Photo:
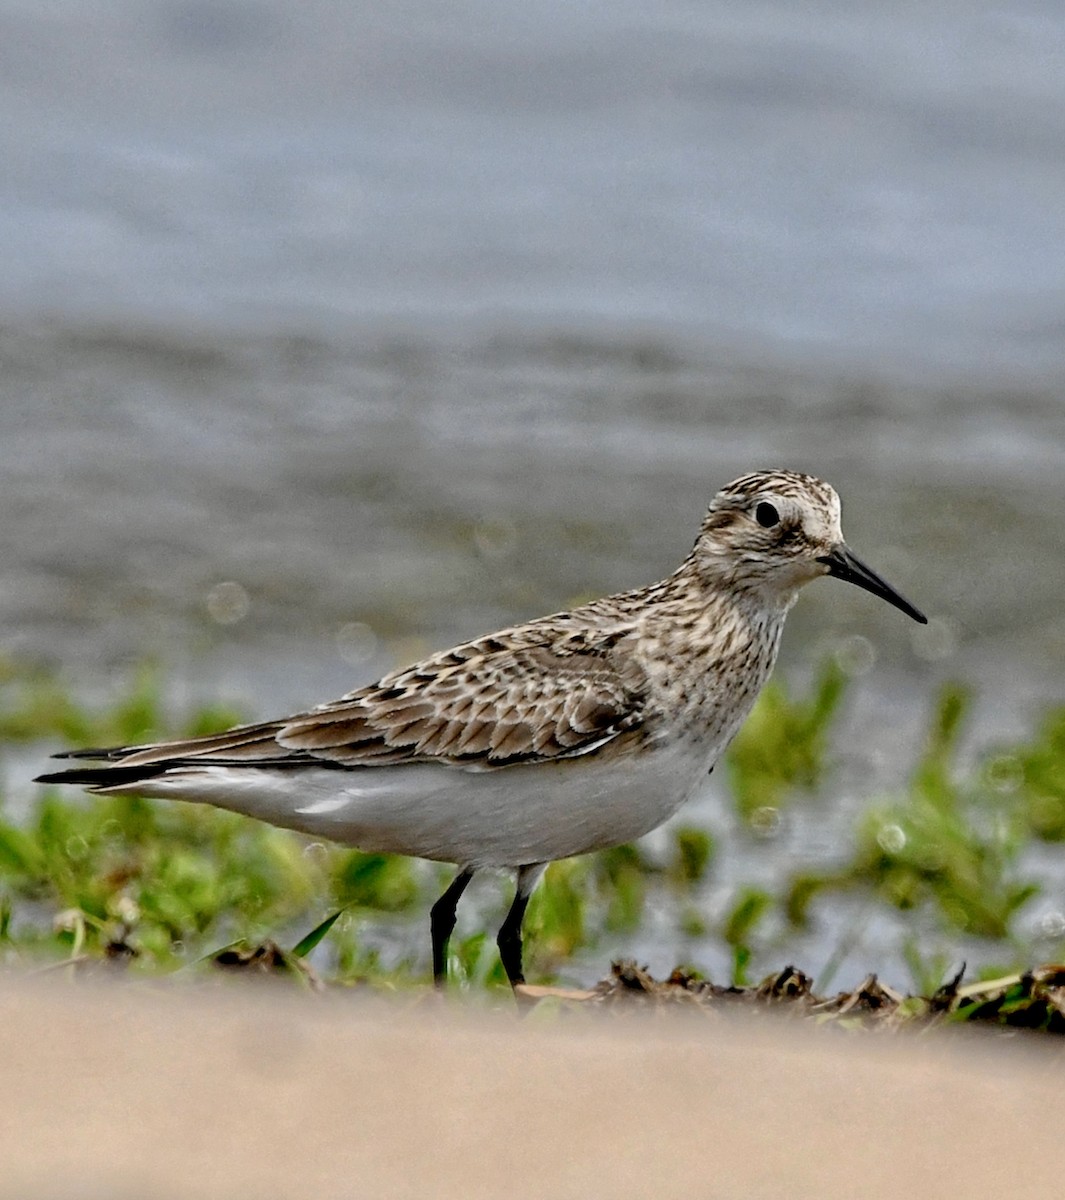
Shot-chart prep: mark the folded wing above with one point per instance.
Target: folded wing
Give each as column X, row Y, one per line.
column 482, row 705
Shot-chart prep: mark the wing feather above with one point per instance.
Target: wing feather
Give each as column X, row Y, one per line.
column 507, row 705
column 485, row 704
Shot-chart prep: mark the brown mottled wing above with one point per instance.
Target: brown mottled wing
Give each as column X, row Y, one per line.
column 482, row 708
column 489, row 703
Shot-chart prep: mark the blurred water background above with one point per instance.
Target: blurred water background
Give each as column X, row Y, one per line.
column 333, row 333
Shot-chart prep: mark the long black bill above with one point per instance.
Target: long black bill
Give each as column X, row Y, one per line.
column 844, row 565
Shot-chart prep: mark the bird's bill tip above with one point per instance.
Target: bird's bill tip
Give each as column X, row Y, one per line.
column 842, row 563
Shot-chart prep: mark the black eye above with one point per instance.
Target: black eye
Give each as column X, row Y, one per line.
column 766, row 515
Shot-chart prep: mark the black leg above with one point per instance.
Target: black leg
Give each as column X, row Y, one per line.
column 509, row 939
column 442, row 922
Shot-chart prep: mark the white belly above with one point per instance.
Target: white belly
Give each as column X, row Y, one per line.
column 505, row 818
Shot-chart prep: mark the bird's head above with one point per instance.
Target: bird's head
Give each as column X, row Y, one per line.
column 770, row 532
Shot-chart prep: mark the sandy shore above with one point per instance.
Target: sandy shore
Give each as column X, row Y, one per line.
column 254, row 1091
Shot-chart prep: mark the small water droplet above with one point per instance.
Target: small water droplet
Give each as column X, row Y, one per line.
column 228, row 602
column 766, row 821
column 855, row 655
column 76, row 847
column 356, row 642
column 891, row 838
column 1052, row 924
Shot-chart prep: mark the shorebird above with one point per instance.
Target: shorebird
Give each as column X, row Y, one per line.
column 571, row 733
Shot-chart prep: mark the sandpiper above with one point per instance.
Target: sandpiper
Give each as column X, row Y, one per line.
column 567, row 734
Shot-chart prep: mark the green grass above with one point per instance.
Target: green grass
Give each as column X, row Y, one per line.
column 163, row 888
column 953, row 842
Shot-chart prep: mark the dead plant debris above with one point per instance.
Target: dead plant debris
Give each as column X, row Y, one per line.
column 1033, row 999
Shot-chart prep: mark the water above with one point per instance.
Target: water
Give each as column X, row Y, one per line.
column 405, row 324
